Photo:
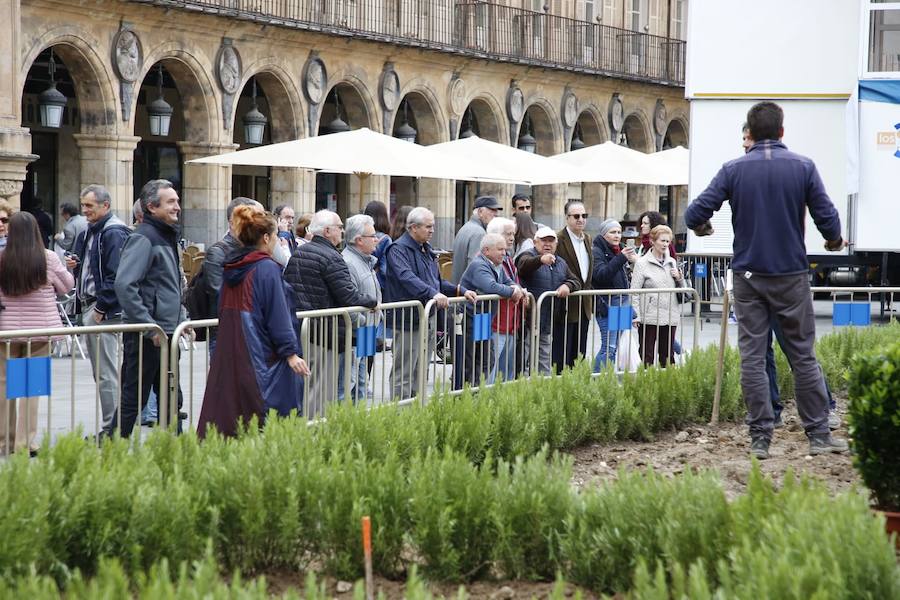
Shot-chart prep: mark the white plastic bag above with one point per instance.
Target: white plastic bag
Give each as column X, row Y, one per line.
column 627, row 356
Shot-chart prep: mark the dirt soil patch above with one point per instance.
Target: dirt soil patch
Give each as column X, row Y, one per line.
column 725, row 448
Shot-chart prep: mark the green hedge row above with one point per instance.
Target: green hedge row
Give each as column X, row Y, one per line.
column 798, row 542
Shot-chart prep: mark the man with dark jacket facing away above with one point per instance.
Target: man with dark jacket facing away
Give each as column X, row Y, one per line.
column 412, row 274
column 770, row 190
column 149, row 284
column 94, row 262
column 321, row 279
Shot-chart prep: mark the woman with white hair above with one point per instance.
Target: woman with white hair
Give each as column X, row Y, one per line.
column 611, row 264
column 507, row 323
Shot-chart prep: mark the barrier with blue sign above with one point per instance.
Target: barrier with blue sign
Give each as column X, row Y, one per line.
column 365, row 341
column 481, row 327
column 700, row 270
column 851, row 314
column 620, row 317
column 27, row 377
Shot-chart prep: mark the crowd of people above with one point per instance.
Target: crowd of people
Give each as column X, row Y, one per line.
column 267, row 268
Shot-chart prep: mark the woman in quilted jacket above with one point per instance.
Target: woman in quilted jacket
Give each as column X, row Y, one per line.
column 30, row 278
column 657, row 314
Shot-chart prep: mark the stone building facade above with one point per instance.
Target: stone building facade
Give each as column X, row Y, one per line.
column 567, row 71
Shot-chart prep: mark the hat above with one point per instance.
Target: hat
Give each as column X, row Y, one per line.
column 607, row 225
column 544, row 232
column 487, row 202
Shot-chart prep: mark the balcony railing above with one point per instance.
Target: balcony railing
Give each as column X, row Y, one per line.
column 471, row 28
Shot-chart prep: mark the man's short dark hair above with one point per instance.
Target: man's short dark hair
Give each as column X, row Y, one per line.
column 239, row 201
column 150, row 193
column 766, row 119
column 517, row 197
column 570, row 203
column 279, row 208
column 67, row 208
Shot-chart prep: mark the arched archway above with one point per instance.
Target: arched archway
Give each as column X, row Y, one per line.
column 589, row 130
column 417, row 112
column 347, row 106
column 483, row 118
column 541, row 123
column 67, row 152
column 274, row 97
column 673, row 199
column 637, row 136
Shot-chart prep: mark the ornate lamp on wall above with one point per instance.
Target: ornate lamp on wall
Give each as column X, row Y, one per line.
column 577, row 142
column 406, row 132
column 254, row 122
column 468, row 131
column 160, row 111
column 526, row 140
column 338, row 125
column 52, row 101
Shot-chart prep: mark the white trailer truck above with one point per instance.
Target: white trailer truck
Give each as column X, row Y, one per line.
column 834, row 67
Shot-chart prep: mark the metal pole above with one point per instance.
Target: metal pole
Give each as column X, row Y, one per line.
column 720, row 363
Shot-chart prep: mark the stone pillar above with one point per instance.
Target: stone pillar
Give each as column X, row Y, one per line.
column 294, row 187
column 109, row 161
column 205, row 192
column 15, row 140
column 548, row 203
column 437, row 195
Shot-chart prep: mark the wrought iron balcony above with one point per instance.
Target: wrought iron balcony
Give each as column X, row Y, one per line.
column 471, row 28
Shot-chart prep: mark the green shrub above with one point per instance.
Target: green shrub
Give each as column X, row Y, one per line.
column 874, row 419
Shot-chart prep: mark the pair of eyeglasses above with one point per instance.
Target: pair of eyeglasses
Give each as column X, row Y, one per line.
column 4, row 220
column 373, row 236
column 579, row 217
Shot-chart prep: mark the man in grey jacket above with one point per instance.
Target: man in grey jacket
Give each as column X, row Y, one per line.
column 360, row 259
column 75, row 224
column 467, row 244
column 149, row 284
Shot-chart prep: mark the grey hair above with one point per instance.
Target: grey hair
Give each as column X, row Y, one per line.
column 499, row 224
column 321, row 220
column 417, row 216
column 355, row 226
column 150, row 193
column 136, row 211
column 101, row 195
column 492, row 240
column 239, row 201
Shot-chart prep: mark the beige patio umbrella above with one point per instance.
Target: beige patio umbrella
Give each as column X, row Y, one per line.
column 362, row 152
column 671, row 165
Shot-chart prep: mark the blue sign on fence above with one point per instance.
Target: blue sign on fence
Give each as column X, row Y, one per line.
column 27, row 377
column 620, row 317
column 365, row 341
column 851, row 314
column 699, row 270
column 481, row 327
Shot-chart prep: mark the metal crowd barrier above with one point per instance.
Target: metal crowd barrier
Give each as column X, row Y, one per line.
column 706, row 273
column 852, row 313
column 563, row 341
column 477, row 343
column 33, row 379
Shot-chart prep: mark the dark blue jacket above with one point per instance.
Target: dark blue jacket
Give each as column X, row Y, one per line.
column 485, row 278
column 539, row 278
column 610, row 273
column 104, row 261
column 770, row 189
column 412, row 274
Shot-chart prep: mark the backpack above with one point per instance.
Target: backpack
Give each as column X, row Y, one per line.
column 200, row 301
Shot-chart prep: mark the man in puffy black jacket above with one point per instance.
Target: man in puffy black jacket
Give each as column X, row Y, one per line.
column 320, row 279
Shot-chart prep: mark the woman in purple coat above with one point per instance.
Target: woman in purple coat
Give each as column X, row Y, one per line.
column 256, row 367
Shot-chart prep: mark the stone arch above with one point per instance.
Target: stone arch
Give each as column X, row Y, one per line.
column 489, row 118
column 545, row 127
column 677, row 133
column 285, row 112
column 593, row 128
column 200, row 97
column 426, row 110
column 357, row 104
column 638, row 133
column 96, row 95
column 638, row 137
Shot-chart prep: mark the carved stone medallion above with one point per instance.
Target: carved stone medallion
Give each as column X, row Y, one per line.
column 390, row 87
column 127, row 55
column 616, row 113
column 228, row 68
column 569, row 109
column 315, row 79
column 457, row 95
column 660, row 118
column 515, row 103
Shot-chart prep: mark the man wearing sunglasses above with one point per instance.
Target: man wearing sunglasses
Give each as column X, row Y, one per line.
column 575, row 248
